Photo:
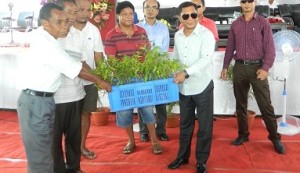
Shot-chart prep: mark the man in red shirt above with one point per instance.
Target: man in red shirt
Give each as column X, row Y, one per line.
column 125, row 40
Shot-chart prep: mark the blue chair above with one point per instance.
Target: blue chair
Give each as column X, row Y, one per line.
column 25, row 20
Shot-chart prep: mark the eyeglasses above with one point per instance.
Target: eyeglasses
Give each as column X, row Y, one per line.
column 186, row 16
column 148, row 8
column 244, row 1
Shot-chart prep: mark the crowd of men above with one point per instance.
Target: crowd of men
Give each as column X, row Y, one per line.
column 59, row 91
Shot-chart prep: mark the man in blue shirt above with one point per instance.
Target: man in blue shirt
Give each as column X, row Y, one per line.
column 158, row 35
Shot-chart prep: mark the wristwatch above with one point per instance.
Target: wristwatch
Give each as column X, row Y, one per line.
column 186, row 74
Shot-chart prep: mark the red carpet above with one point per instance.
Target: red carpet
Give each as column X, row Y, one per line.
column 257, row 155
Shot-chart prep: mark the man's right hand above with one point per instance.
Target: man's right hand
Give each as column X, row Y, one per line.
column 224, row 74
column 104, row 85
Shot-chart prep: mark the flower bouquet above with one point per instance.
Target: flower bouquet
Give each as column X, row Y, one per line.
column 100, row 12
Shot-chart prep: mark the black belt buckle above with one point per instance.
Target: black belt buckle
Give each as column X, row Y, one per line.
column 250, row 62
column 247, row 62
column 38, row 93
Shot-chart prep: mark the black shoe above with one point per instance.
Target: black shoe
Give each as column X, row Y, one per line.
column 176, row 163
column 240, row 141
column 279, row 148
column 201, row 168
column 144, row 137
column 163, row 137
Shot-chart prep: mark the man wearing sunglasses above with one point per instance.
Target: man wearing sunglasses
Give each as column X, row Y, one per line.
column 206, row 22
column 251, row 45
column 194, row 47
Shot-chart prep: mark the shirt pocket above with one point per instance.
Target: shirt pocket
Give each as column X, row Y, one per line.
column 89, row 43
column 256, row 35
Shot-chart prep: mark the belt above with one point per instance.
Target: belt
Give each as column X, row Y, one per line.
column 249, row 62
column 38, row 93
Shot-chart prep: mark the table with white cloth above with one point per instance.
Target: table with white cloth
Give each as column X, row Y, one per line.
column 11, row 50
column 224, row 101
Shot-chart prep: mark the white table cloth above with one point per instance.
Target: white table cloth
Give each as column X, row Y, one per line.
column 224, row 101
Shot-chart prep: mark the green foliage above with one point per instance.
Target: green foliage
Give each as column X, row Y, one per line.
column 230, row 73
column 156, row 65
column 170, row 106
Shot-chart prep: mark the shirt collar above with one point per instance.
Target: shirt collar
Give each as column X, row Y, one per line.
column 196, row 31
column 72, row 30
column 204, row 20
column 144, row 22
column 45, row 33
column 254, row 16
column 118, row 29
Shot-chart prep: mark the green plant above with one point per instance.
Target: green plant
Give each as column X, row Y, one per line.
column 152, row 66
column 170, row 107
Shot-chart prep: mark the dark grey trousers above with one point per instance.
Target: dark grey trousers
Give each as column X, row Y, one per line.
column 67, row 126
column 36, row 118
column 204, row 105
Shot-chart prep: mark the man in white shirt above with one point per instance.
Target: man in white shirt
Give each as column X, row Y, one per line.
column 69, row 101
column 92, row 52
column 41, row 77
column 271, row 3
column 194, row 47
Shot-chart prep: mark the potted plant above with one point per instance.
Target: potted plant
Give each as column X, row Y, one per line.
column 172, row 118
column 250, row 113
column 101, row 115
column 154, row 65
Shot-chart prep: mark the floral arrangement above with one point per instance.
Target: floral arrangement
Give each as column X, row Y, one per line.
column 166, row 23
column 100, row 12
column 43, row 2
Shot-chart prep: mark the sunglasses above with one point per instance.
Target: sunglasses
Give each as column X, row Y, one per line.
column 244, row 1
column 186, row 16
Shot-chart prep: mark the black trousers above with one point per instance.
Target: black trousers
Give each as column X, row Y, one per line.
column 67, row 126
column 161, row 118
column 244, row 75
column 203, row 103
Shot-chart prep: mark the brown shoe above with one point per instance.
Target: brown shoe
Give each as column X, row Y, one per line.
column 129, row 148
column 88, row 154
column 156, row 148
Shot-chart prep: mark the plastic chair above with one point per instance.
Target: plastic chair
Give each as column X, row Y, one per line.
column 3, row 15
column 25, row 20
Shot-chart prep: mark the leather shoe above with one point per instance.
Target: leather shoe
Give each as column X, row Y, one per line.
column 176, row 163
column 144, row 137
column 163, row 137
column 239, row 141
column 279, row 148
column 201, row 168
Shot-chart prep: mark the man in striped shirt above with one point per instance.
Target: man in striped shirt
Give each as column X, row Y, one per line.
column 126, row 39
